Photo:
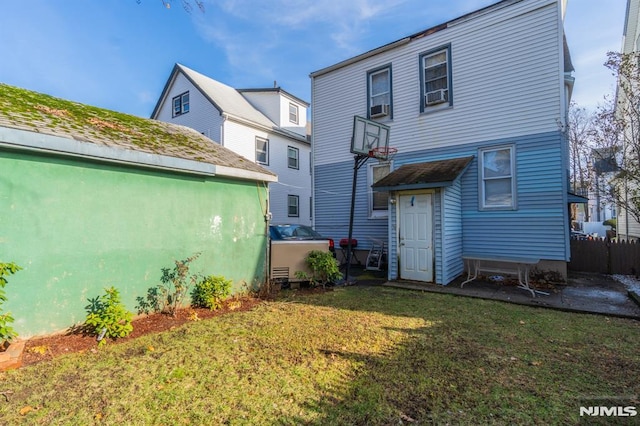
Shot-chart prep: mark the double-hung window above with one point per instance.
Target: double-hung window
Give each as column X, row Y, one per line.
column 497, row 178
column 379, row 200
column 292, row 158
column 293, row 205
column 262, row 151
column 293, row 113
column 379, row 88
column 435, row 79
column 181, row 104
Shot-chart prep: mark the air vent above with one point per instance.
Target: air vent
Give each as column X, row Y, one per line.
column 281, row 272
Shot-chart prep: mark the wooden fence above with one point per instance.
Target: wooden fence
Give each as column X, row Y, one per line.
column 605, row 256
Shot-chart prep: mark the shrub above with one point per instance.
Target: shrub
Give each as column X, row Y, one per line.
column 324, row 268
column 175, row 284
column 210, row 292
column 7, row 333
column 151, row 303
column 613, row 223
column 169, row 295
column 108, row 317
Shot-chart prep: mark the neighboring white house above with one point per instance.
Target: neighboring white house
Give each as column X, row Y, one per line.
column 475, row 108
column 601, row 206
column 267, row 126
column 628, row 227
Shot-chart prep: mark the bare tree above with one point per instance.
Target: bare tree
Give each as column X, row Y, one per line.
column 579, row 130
column 618, row 130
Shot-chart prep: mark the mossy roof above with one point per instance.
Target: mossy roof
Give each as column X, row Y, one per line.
column 36, row 112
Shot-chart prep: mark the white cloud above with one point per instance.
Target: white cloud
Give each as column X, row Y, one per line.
column 239, row 26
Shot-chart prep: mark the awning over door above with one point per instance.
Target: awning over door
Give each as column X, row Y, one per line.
column 432, row 174
column 574, row 198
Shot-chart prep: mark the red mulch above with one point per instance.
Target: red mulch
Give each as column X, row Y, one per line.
column 46, row 348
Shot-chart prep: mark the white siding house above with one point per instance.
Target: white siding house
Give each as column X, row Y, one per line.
column 476, row 105
column 628, row 228
column 266, row 126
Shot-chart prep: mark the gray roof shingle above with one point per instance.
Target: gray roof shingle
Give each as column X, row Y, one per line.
column 429, row 174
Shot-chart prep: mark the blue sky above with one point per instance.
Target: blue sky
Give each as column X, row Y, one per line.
column 118, row 54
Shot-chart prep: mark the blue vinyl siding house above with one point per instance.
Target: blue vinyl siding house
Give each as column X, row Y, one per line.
column 476, row 108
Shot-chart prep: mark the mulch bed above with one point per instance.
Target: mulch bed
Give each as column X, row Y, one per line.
column 40, row 349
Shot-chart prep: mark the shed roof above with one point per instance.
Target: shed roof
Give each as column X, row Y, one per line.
column 432, row 174
column 36, row 112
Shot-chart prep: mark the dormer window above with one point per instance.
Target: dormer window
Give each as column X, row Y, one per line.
column 293, row 113
column 181, row 104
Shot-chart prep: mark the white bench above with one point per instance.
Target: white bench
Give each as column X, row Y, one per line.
column 519, row 266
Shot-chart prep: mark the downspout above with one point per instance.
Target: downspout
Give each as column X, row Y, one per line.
column 267, row 220
column 312, row 159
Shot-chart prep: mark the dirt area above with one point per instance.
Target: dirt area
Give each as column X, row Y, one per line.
column 46, row 348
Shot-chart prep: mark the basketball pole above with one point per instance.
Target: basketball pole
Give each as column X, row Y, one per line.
column 359, row 160
column 367, row 138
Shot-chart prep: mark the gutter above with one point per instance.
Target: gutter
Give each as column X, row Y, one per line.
column 287, row 134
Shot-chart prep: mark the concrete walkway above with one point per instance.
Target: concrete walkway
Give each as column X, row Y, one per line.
column 586, row 293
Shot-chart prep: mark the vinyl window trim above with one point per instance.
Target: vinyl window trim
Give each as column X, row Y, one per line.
column 295, row 158
column 380, row 213
column 294, row 112
column 180, row 104
column 483, row 180
column 370, row 95
column 260, row 151
column 423, row 82
column 293, row 206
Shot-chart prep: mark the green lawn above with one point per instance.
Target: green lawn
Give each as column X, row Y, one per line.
column 356, row 355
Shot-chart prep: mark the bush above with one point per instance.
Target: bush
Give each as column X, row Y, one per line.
column 6, row 331
column 108, row 317
column 151, row 303
column 169, row 295
column 324, row 268
column 210, row 292
column 175, row 284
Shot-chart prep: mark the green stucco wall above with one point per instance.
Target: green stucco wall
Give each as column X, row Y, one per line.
column 77, row 227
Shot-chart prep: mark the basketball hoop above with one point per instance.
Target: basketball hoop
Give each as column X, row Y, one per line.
column 383, row 153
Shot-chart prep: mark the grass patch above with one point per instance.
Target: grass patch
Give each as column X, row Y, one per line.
column 355, row 355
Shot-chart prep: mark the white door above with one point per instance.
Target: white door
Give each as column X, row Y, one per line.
column 416, row 237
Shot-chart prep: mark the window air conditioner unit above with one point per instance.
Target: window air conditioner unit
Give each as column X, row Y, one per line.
column 437, row 97
column 379, row 111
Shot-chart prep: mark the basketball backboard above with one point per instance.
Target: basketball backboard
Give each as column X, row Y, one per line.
column 368, row 135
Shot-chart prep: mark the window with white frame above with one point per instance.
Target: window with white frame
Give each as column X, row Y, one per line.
column 181, row 104
column 293, row 113
column 379, row 85
column 262, row 151
column 435, row 79
column 293, row 205
column 292, row 158
column 378, row 200
column 497, row 178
